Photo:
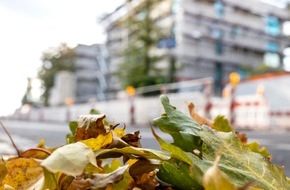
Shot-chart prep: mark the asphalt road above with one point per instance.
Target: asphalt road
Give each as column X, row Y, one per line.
column 29, row 134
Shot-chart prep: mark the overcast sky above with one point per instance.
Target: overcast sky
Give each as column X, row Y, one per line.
column 29, row 27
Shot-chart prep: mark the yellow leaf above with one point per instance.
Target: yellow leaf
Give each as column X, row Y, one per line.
column 115, row 164
column 119, row 132
column 100, row 142
column 3, row 170
column 22, row 173
column 215, row 179
column 131, row 161
column 70, row 159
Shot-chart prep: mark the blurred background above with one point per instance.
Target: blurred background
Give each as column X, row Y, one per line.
column 62, row 58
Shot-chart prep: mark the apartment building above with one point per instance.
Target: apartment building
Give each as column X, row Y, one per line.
column 208, row 37
column 89, row 80
column 91, row 72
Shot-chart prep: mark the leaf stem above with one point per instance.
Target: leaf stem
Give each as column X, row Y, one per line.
column 12, row 142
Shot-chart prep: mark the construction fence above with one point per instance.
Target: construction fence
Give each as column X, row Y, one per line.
column 251, row 112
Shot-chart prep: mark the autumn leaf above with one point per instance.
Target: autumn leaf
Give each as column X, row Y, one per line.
column 132, row 139
column 255, row 147
column 90, row 126
column 70, row 159
column 101, row 141
column 133, row 152
column 222, row 124
column 3, row 170
column 199, row 119
column 102, row 180
column 37, row 153
column 70, row 137
column 126, row 181
column 144, row 172
column 119, row 132
column 50, row 180
column 23, row 173
column 147, row 181
column 215, row 179
column 142, row 166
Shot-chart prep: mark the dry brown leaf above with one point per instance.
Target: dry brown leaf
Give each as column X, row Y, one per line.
column 201, row 120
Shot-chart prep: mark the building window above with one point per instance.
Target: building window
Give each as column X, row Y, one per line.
column 272, row 46
column 234, row 31
column 219, row 47
column 219, row 9
column 272, row 25
column 218, row 35
column 168, row 42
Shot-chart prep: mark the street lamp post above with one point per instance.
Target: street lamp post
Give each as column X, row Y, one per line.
column 68, row 102
column 130, row 90
column 208, row 104
column 234, row 81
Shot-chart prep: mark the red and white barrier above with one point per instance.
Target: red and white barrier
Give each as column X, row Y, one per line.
column 280, row 118
column 247, row 112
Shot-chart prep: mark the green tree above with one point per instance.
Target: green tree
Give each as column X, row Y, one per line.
column 27, row 96
column 54, row 60
column 140, row 63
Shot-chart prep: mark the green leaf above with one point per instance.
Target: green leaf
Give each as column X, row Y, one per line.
column 73, row 125
column 115, row 163
column 255, row 147
column 175, row 151
column 239, row 163
column 183, row 129
column 94, row 111
column 179, row 175
column 180, row 155
column 142, row 166
column 50, row 181
column 70, row 137
column 222, row 124
column 70, row 159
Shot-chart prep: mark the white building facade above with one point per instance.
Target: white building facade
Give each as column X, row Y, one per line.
column 91, row 72
column 208, row 37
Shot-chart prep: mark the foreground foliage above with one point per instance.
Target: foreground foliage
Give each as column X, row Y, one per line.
column 100, row 155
